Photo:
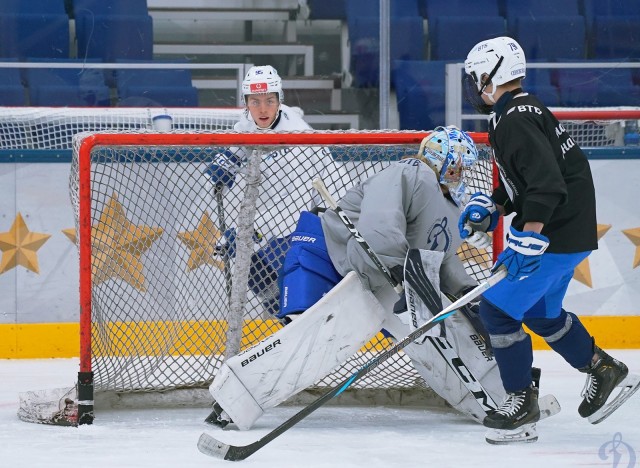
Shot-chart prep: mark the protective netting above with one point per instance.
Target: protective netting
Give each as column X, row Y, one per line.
column 162, row 268
column 600, row 127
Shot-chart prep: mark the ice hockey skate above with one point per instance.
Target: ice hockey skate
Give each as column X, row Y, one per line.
column 527, row 433
column 218, row 417
column 603, row 377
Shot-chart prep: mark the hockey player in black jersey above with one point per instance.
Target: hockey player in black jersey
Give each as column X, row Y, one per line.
column 546, row 181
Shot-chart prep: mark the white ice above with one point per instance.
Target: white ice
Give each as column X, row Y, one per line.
column 334, row 437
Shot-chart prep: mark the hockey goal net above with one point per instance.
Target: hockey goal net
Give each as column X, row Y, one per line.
column 161, row 306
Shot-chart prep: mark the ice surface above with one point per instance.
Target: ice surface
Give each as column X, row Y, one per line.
column 334, row 437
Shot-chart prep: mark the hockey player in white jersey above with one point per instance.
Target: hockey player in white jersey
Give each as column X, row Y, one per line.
column 286, row 175
column 337, row 299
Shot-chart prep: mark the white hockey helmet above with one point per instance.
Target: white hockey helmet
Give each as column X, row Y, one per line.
column 501, row 59
column 451, row 153
column 261, row 80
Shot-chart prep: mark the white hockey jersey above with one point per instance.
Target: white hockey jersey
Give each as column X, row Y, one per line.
column 285, row 187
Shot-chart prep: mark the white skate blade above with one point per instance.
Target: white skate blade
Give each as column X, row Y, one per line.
column 527, row 433
column 627, row 388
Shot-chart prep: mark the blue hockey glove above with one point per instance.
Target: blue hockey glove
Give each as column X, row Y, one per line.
column 480, row 215
column 523, row 254
column 223, row 169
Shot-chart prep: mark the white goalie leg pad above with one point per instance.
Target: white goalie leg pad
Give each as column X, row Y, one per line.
column 300, row 354
column 457, row 367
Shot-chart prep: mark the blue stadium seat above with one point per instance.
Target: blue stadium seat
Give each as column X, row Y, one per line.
column 616, row 37
column 407, row 43
column 158, row 96
column 616, row 88
column 432, row 9
column 578, row 87
column 420, row 91
column 365, row 8
column 11, row 92
column 536, row 8
column 538, row 83
column 452, row 37
column 47, row 7
column 67, row 87
column 593, row 8
column 34, row 35
column 110, row 7
column 153, row 77
column 547, row 38
column 114, row 37
column 327, row 9
column 166, row 87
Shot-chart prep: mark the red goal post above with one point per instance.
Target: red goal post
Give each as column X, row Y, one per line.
column 159, row 306
column 600, row 126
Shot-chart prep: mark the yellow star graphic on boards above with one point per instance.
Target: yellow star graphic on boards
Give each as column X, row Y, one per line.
column 19, row 246
column 202, row 242
column 117, row 245
column 480, row 257
column 582, row 272
column 634, row 236
column 71, row 234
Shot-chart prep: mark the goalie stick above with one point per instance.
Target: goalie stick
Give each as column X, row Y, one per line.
column 209, row 445
column 223, row 229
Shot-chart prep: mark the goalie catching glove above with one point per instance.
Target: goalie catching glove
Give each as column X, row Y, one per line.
column 523, row 254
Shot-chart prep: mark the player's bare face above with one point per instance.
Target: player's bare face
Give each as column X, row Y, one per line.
column 263, row 108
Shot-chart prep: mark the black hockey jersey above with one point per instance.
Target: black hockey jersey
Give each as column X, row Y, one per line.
column 544, row 175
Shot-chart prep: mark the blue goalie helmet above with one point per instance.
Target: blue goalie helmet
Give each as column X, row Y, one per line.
column 451, row 153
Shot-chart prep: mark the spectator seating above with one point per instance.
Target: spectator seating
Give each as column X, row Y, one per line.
column 12, row 92
column 113, row 30
column 546, row 38
column 432, row 9
column 407, row 43
column 537, row 8
column 451, row 37
column 578, row 87
column 420, row 92
column 84, row 87
column 155, row 87
column 27, row 33
column 538, row 82
column 615, row 37
column 327, row 9
column 594, row 8
column 367, row 8
column 616, row 88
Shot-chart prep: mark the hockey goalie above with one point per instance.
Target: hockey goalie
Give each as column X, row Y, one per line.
column 335, row 299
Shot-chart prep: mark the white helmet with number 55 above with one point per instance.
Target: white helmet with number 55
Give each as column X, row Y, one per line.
column 261, row 80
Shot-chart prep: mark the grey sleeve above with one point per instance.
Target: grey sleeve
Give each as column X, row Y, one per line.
column 379, row 208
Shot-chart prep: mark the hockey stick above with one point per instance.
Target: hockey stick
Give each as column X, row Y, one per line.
column 322, row 189
column 223, row 228
column 215, row 448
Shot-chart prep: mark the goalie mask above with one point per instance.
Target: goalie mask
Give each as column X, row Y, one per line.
column 451, row 153
column 501, row 60
column 262, row 80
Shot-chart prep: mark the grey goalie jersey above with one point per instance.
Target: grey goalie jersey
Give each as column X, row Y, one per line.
column 397, row 209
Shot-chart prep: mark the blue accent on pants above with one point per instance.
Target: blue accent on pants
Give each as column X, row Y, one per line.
column 536, row 302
